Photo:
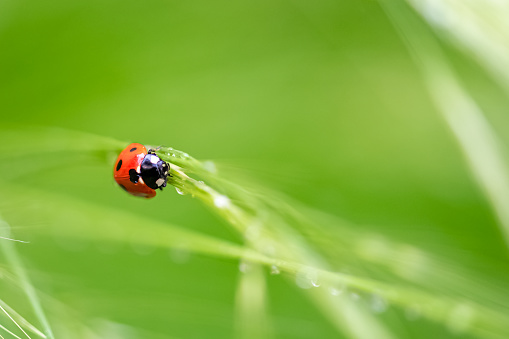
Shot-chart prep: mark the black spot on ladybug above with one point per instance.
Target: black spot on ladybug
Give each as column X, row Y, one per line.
column 133, row 149
column 133, row 176
column 123, row 187
column 119, row 164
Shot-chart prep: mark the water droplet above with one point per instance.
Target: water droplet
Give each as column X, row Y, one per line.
column 185, row 155
column 274, row 270
column 179, row 191
column 221, row 201
column 306, row 279
column 378, row 304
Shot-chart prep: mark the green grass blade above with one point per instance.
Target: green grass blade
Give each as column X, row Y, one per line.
column 18, row 268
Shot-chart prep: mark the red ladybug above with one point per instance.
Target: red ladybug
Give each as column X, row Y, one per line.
column 140, row 172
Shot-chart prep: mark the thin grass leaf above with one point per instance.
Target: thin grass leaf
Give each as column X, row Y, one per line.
column 6, row 330
column 436, row 308
column 22, row 321
column 14, row 321
column 283, row 235
column 18, row 268
column 289, row 244
column 477, row 139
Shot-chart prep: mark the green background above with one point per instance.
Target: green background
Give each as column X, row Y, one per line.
column 317, row 99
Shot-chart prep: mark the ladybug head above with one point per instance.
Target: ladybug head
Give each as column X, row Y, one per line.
column 154, row 171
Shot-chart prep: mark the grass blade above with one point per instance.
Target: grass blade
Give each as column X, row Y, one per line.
column 17, row 266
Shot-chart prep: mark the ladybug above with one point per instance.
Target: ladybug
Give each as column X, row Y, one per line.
column 140, row 172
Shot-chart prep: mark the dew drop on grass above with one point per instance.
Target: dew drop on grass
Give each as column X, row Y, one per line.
column 179, row 191
column 307, row 279
column 221, row 201
column 274, row 270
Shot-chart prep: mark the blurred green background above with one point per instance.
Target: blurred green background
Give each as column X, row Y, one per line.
column 320, row 100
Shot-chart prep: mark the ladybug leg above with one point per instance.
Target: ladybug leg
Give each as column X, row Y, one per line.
column 167, row 171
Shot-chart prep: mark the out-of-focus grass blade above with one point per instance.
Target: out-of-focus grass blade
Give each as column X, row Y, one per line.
column 477, row 139
column 479, row 27
column 252, row 319
column 18, row 268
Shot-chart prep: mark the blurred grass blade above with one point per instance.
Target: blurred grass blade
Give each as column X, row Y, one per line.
column 14, row 321
column 286, row 241
column 21, row 320
column 478, row 27
column 277, row 233
column 18, row 268
column 251, row 298
column 104, row 227
column 6, row 330
column 277, row 225
column 477, row 139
